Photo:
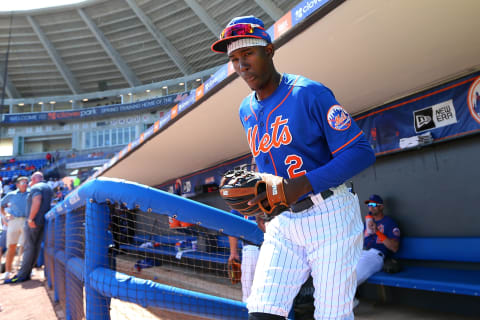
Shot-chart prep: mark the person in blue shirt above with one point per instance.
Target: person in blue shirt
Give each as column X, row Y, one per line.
column 14, row 210
column 38, row 203
column 381, row 239
column 297, row 130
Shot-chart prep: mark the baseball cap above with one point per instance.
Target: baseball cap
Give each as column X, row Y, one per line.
column 246, row 31
column 374, row 198
column 21, row 178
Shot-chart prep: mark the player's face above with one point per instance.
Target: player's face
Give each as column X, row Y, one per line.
column 254, row 65
column 22, row 185
column 374, row 211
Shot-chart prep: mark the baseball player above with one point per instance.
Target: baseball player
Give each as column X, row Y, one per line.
column 298, row 131
column 381, row 239
column 248, row 260
column 303, row 303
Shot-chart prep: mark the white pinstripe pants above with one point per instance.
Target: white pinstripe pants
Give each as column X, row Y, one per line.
column 249, row 262
column 325, row 240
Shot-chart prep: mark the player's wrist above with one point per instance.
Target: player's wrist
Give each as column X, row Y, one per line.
column 296, row 187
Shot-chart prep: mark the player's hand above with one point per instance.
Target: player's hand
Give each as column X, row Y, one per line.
column 371, row 226
column 292, row 189
column 261, row 198
column 233, row 256
column 260, row 223
column 32, row 224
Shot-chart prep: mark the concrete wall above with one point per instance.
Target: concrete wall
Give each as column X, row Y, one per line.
column 433, row 191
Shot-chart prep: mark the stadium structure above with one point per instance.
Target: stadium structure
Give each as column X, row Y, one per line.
column 92, row 76
column 130, row 89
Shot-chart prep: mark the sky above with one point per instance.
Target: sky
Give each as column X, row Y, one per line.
column 17, row 5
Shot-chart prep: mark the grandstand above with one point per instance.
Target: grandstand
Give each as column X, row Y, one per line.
column 130, row 90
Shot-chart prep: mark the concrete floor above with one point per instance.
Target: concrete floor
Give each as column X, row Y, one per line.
column 369, row 310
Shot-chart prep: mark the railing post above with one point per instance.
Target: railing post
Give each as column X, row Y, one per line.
column 73, row 249
column 47, row 244
column 57, row 234
column 96, row 255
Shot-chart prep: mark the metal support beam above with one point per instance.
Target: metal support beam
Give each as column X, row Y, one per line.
column 167, row 46
column 10, row 89
column 55, row 56
column 116, row 92
column 205, row 17
column 270, row 8
column 127, row 73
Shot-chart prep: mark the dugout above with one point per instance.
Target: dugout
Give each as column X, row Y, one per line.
column 374, row 55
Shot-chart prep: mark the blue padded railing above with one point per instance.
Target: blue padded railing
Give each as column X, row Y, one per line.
column 101, row 284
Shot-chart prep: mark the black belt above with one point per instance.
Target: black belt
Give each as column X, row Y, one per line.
column 307, row 202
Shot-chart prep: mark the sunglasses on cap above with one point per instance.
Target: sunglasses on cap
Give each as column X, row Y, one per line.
column 373, row 204
column 240, row 29
column 23, row 182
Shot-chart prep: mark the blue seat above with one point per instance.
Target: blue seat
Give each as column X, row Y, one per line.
column 166, row 246
column 465, row 251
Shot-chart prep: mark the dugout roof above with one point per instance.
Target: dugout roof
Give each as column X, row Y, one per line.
column 369, row 52
column 70, row 49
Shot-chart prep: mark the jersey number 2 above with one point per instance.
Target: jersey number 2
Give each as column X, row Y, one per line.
column 294, row 163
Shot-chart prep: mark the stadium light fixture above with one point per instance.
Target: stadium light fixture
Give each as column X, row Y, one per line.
column 129, row 93
column 198, row 80
column 164, row 87
column 40, row 102
column 52, row 102
column 148, row 90
column 21, row 104
column 181, row 83
column 84, row 99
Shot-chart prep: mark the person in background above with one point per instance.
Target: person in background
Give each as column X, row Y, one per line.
column 38, row 203
column 16, row 202
column 3, row 238
column 8, row 186
column 381, row 239
column 48, row 157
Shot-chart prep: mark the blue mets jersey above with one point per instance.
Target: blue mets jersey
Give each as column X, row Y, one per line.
column 300, row 129
column 388, row 227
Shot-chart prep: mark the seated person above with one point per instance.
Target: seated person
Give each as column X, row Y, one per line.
column 381, row 239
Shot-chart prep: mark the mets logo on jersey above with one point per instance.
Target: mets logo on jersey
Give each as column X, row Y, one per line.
column 396, row 232
column 338, row 118
column 473, row 99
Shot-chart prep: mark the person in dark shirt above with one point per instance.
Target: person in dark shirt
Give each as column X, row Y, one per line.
column 380, row 240
column 38, row 203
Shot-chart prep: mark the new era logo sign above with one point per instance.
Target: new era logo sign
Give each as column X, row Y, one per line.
column 436, row 116
column 423, row 120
